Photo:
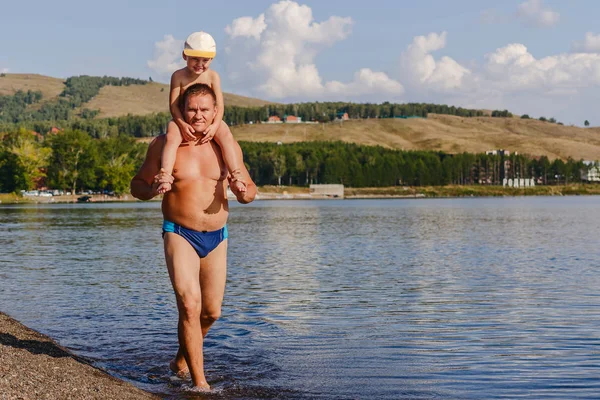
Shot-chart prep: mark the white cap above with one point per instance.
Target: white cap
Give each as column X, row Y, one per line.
column 200, row 44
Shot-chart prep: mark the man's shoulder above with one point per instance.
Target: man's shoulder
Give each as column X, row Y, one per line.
column 157, row 143
column 158, row 139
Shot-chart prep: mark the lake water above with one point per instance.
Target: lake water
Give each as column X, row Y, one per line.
column 399, row 299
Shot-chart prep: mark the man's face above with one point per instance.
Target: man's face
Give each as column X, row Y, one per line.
column 200, row 111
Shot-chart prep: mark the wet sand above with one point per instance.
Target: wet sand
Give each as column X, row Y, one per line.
column 33, row 366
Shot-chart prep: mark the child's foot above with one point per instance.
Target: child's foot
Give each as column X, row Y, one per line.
column 163, row 188
column 239, row 185
column 183, row 373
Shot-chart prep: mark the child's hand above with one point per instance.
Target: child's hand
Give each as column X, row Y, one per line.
column 209, row 133
column 162, row 181
column 238, row 186
column 187, row 132
column 164, row 188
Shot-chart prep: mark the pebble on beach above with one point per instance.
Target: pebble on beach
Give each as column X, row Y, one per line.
column 33, row 366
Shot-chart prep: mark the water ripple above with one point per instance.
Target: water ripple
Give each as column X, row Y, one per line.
column 418, row 299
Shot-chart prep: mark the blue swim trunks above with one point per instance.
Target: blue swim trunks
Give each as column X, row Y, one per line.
column 202, row 241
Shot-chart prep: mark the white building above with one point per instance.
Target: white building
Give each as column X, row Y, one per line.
column 332, row 190
column 591, row 172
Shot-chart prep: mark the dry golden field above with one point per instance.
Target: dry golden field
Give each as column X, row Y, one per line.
column 444, row 133
column 50, row 87
column 112, row 101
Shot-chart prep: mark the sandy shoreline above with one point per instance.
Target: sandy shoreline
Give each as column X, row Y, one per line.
column 33, row 366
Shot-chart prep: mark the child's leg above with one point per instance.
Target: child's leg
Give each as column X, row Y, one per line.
column 234, row 160
column 169, row 153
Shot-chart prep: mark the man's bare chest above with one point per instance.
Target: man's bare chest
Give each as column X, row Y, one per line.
column 199, row 162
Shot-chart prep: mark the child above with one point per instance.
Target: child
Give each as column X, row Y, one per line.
column 198, row 52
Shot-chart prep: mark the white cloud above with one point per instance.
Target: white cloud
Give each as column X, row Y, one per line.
column 167, row 56
column 513, row 68
column 423, row 70
column 533, row 12
column 508, row 78
column 274, row 55
column 4, row 71
column 591, row 44
column 247, row 27
column 366, row 82
column 509, row 69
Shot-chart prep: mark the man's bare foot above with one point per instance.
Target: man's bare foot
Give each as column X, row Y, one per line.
column 202, row 388
column 163, row 187
column 183, row 373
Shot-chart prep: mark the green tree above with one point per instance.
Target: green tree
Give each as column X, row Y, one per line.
column 277, row 158
column 586, row 123
column 31, row 157
column 119, row 158
column 73, row 160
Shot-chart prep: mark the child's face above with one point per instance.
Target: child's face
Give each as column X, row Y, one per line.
column 197, row 65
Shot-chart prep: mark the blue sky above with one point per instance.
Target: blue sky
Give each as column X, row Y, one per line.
column 539, row 57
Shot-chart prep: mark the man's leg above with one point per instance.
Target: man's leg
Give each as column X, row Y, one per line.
column 183, row 264
column 213, row 275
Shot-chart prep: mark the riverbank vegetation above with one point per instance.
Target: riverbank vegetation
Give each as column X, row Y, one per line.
column 71, row 160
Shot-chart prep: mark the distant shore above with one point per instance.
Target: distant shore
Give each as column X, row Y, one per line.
column 394, row 192
column 33, row 366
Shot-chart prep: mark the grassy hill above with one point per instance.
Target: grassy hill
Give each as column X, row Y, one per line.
column 444, row 133
column 437, row 132
column 112, row 101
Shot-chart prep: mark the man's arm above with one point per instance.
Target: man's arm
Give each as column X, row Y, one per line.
column 145, row 183
column 250, row 193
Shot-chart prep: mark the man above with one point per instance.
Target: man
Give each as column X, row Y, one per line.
column 194, row 230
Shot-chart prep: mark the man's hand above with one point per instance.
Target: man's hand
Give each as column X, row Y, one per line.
column 187, row 131
column 162, row 182
column 209, row 133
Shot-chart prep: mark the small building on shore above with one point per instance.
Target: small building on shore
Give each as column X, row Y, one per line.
column 591, row 171
column 274, row 119
column 292, row 119
column 327, row 190
column 342, row 116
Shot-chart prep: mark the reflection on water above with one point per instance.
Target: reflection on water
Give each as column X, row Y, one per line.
column 469, row 298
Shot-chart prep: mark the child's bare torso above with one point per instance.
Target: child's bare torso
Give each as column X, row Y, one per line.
column 184, row 80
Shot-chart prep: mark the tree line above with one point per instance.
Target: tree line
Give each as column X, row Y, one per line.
column 72, row 160
column 355, row 165
column 156, row 123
